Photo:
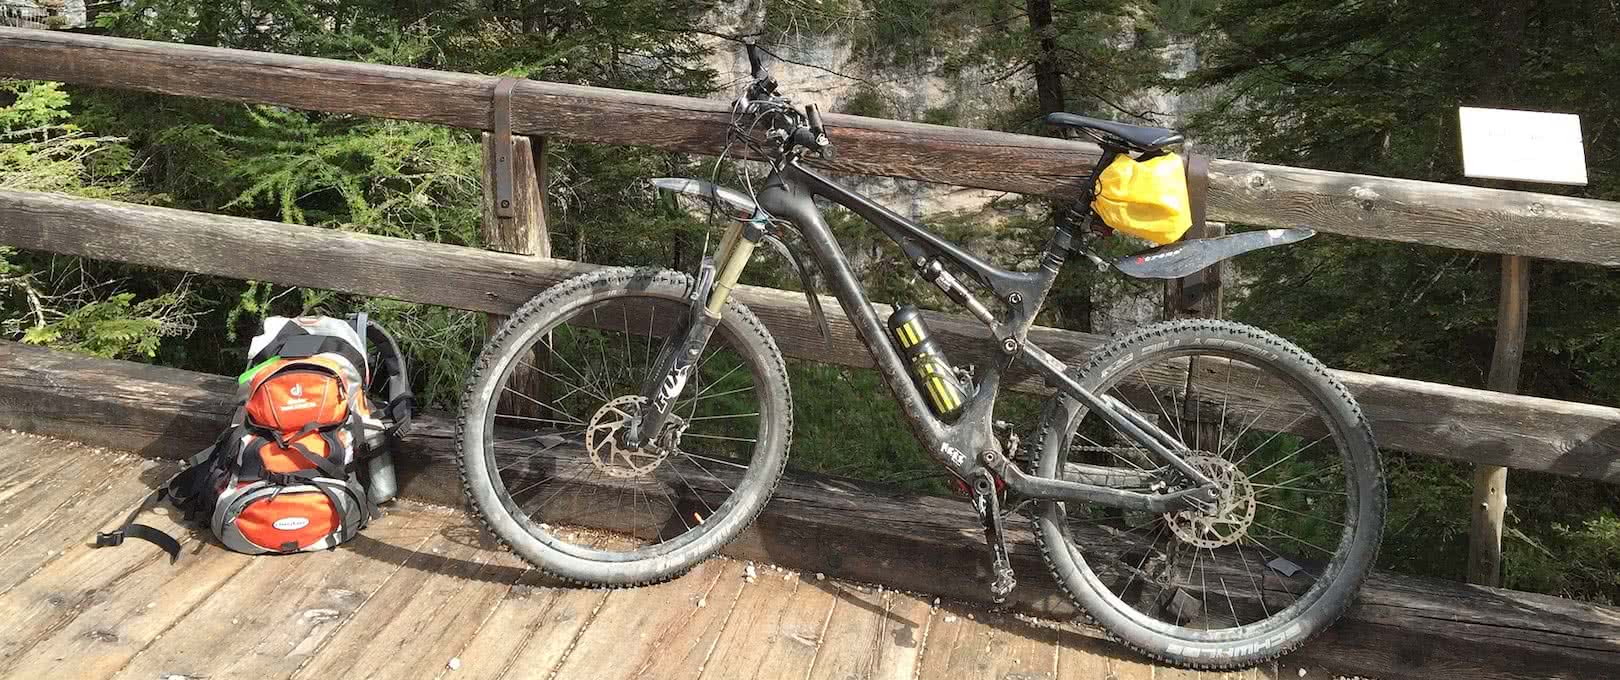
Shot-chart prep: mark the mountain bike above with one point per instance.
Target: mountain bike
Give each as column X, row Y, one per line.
column 1206, row 491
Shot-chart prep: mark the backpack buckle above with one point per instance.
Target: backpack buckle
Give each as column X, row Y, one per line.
column 107, row 539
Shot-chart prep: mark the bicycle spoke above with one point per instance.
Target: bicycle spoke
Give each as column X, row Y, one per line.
column 1279, row 492
column 589, row 477
column 1301, row 514
column 1291, row 537
column 1290, row 456
column 731, row 415
column 715, row 436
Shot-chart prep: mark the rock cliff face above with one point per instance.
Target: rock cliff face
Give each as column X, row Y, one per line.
column 823, row 67
column 42, row 13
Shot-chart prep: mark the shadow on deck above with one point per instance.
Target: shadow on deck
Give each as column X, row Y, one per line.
column 424, row 593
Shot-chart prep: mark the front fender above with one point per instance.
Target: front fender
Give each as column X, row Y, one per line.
column 746, row 207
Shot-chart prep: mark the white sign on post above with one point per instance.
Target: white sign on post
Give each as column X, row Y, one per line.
column 1522, row 145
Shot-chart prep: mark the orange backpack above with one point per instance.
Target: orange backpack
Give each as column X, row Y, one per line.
column 285, row 476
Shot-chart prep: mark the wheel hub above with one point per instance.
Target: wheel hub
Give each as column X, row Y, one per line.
column 604, row 439
column 1234, row 507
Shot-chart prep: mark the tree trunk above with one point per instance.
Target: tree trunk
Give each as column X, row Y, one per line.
column 1049, row 93
column 1048, row 77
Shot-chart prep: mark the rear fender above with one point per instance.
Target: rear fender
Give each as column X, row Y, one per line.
column 1185, row 258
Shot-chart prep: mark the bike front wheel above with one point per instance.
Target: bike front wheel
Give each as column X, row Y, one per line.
column 1301, row 499
column 544, row 458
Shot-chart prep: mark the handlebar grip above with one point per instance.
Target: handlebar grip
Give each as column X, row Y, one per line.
column 813, row 112
column 754, row 67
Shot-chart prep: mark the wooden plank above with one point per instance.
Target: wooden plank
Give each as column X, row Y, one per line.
column 634, row 628
column 531, row 629
column 320, row 604
column 689, row 650
column 53, row 597
column 871, row 635
column 227, row 622
column 72, row 524
column 264, row 622
column 1477, row 426
column 1490, row 481
column 772, row 636
column 1455, row 216
column 33, row 500
column 431, row 607
column 989, row 646
column 525, row 232
column 1085, row 657
column 864, row 532
column 871, row 146
column 1411, row 211
column 87, row 615
column 522, row 233
column 22, row 462
column 68, row 510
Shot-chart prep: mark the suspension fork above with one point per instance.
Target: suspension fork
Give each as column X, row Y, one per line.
column 680, row 356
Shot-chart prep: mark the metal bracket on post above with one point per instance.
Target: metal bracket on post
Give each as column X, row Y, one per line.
column 501, row 111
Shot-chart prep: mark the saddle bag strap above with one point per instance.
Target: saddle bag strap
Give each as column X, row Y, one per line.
column 1197, row 189
column 326, row 465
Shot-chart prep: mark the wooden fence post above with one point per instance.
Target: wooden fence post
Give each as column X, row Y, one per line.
column 524, row 233
column 1198, row 296
column 1490, row 481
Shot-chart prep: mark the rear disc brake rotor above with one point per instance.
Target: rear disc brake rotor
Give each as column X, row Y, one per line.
column 1234, row 507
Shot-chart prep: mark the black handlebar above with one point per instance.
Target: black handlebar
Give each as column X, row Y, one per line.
column 755, row 68
column 813, row 113
column 806, row 132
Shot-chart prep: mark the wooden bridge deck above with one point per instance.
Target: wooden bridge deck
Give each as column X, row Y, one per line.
column 422, row 595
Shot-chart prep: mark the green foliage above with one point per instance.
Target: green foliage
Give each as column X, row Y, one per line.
column 43, row 152
column 48, row 301
column 116, row 326
column 867, row 101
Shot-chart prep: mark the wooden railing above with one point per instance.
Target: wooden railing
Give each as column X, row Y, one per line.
column 1485, row 428
column 1469, row 218
column 1458, row 423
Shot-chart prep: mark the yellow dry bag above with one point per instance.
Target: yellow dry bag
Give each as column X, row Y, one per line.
column 1146, row 199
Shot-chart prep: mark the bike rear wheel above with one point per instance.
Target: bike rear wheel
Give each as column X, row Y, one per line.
column 1301, row 506
column 543, row 457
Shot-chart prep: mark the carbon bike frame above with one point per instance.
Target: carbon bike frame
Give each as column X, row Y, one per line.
column 968, row 446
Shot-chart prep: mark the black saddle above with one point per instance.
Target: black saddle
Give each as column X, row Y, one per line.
column 1139, row 136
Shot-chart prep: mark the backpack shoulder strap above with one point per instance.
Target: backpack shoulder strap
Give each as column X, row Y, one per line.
column 132, row 529
column 401, row 404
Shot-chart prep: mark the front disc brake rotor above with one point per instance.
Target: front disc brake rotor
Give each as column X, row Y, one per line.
column 604, row 438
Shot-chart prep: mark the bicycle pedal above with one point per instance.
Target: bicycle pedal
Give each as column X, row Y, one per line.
column 1004, row 583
